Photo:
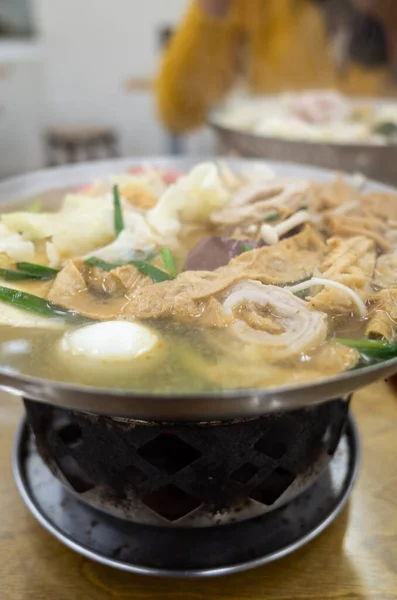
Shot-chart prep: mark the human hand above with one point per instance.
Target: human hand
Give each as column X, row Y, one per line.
column 215, row 8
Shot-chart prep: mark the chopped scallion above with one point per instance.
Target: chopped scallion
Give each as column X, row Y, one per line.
column 11, row 275
column 168, row 261
column 37, row 271
column 118, row 215
column 273, row 217
column 102, row 264
column 376, row 349
column 364, row 344
column 153, row 272
column 246, row 248
column 144, row 267
column 28, row 271
column 31, row 303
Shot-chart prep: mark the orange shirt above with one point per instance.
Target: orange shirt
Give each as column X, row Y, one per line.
column 285, row 49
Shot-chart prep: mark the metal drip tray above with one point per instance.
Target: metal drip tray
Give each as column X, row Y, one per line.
column 184, row 552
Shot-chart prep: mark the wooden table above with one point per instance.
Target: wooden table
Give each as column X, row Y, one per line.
column 355, row 558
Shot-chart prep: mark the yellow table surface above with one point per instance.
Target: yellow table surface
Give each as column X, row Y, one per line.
column 355, row 558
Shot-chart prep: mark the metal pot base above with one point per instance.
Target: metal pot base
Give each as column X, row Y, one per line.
column 195, row 552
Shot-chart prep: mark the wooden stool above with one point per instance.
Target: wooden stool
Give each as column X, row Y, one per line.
column 77, row 144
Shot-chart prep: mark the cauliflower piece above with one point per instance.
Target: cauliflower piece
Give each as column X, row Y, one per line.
column 13, row 245
column 164, row 217
column 54, row 259
column 192, row 198
column 83, row 223
column 81, row 233
column 143, row 236
column 34, row 226
column 204, row 192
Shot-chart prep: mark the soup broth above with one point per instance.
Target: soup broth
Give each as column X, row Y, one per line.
column 203, row 281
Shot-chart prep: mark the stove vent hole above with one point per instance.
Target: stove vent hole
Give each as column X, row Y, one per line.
column 171, row 503
column 70, row 435
column 272, row 488
column 245, row 473
column 270, row 444
column 74, row 474
column 169, row 453
column 133, row 476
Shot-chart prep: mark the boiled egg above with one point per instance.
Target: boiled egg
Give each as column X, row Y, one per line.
column 111, row 347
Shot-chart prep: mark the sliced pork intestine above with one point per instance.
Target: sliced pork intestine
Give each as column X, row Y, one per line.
column 290, row 329
column 255, row 201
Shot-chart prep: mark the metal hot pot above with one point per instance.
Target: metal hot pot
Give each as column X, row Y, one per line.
column 176, row 461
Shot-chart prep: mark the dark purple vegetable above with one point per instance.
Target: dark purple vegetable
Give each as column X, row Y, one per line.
column 213, row 252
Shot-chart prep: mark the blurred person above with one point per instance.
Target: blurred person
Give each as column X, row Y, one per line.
column 275, row 45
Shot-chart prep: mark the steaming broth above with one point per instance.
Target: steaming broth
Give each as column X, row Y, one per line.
column 245, row 323
column 184, row 368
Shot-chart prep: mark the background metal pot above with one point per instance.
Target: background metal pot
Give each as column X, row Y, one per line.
column 373, row 161
column 376, row 162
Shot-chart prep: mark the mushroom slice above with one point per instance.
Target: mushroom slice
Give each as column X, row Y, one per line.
column 254, row 202
column 272, row 234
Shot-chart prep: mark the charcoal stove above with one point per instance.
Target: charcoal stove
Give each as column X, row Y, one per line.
column 187, row 474
column 224, row 496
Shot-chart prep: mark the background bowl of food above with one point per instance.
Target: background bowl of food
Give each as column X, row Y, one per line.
column 320, row 128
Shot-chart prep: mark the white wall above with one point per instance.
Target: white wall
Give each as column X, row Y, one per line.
column 20, row 116
column 91, row 49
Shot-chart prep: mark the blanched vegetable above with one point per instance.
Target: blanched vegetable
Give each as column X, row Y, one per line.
column 118, row 215
column 37, row 271
column 375, row 349
column 168, row 261
column 27, row 270
column 246, row 247
column 13, row 244
column 144, row 267
column 31, row 303
column 102, row 264
column 192, row 198
column 12, row 275
column 153, row 272
column 130, row 245
column 83, row 224
column 273, row 217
